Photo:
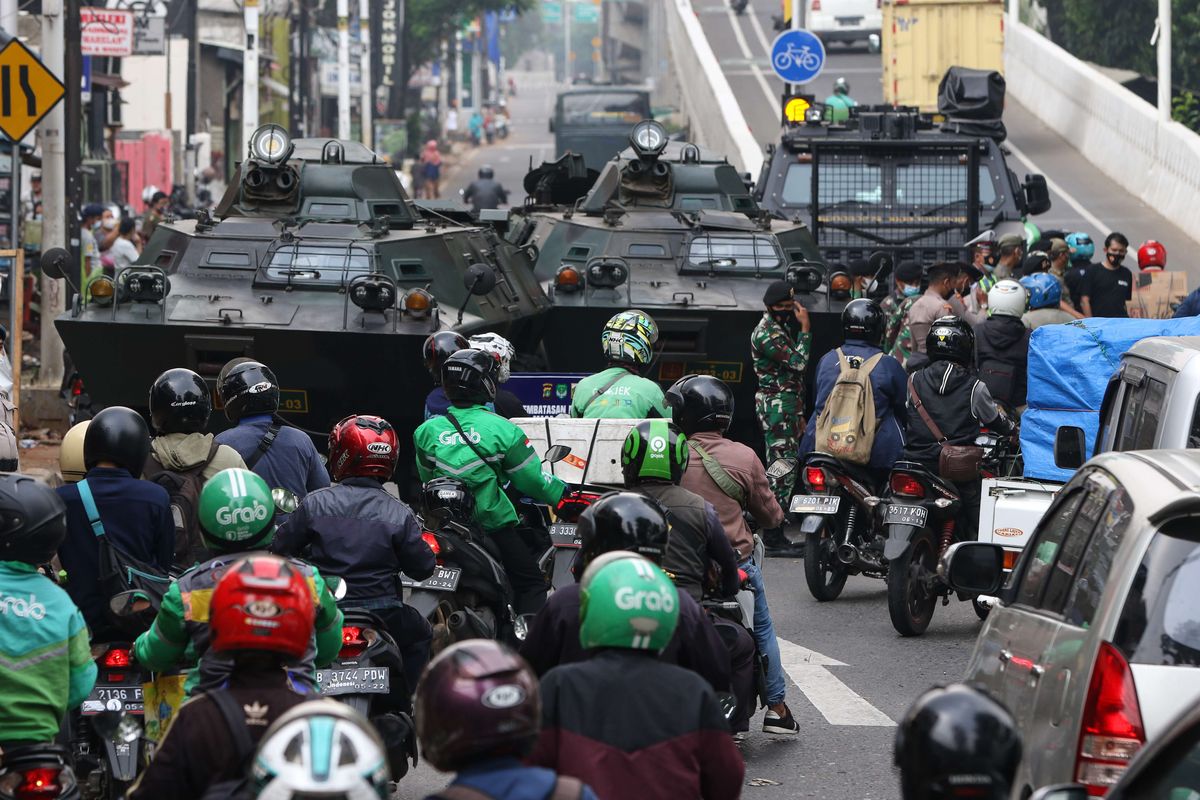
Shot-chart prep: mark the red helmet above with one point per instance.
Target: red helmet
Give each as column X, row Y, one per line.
column 363, row 446
column 262, row 603
column 1152, row 255
column 476, row 699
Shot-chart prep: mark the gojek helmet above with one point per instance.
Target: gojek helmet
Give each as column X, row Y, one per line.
column 236, row 511
column 654, row 450
column 629, row 338
column 1007, row 299
column 628, row 603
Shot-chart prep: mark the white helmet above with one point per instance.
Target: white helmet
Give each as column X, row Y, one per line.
column 1007, row 298
column 321, row 748
column 498, row 346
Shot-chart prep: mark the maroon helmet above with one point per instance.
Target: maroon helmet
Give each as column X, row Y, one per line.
column 478, row 699
column 363, row 446
column 438, row 347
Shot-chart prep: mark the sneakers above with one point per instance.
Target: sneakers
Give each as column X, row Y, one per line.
column 785, row 725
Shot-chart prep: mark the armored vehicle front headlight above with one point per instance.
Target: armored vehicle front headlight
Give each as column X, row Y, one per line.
column 648, row 138
column 373, row 292
column 418, row 303
column 101, row 290
column 271, row 144
column 568, row 279
column 839, row 285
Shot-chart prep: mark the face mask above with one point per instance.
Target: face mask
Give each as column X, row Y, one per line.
column 1115, row 260
column 109, row 223
column 963, row 290
column 912, row 291
column 783, row 317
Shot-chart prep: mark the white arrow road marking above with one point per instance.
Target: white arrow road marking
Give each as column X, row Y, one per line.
column 837, row 702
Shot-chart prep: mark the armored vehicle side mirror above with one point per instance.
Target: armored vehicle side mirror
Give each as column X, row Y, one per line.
column 1037, row 194
column 479, row 279
column 973, row 568
column 1070, row 447
column 556, row 453
column 805, row 277
column 54, row 262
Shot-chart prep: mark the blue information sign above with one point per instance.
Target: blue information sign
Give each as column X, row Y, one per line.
column 544, row 394
column 797, row 56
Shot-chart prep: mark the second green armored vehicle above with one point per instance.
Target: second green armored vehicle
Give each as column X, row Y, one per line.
column 315, row 263
column 674, row 231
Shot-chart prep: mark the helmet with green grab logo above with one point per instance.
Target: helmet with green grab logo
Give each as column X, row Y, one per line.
column 629, row 337
column 628, row 603
column 654, row 450
column 236, row 511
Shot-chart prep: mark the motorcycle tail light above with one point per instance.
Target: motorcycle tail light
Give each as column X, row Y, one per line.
column 907, row 485
column 1112, row 730
column 116, row 658
column 38, row 783
column 77, row 387
column 814, row 477
column 354, row 644
column 573, row 504
column 432, row 541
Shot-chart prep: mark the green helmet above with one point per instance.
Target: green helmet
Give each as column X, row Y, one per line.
column 628, row 603
column 654, row 450
column 236, row 510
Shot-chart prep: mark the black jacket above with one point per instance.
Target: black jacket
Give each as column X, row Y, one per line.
column 697, row 540
column 553, row 639
column 959, row 404
column 1002, row 356
column 360, row 533
column 485, row 193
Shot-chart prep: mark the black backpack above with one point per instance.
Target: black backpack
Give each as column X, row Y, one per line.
column 237, row 788
column 184, row 488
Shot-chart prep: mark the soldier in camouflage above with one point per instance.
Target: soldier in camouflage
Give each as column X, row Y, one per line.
column 897, row 338
column 780, row 346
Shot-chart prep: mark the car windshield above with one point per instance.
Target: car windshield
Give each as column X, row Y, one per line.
column 920, row 186
column 733, row 254
column 319, row 264
column 598, row 109
column 1160, row 623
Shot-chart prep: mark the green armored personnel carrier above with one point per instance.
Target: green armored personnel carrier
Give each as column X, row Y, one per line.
column 315, row 263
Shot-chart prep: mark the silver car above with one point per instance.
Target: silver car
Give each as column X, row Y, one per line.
column 1095, row 643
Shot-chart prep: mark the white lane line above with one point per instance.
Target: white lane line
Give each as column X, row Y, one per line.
column 837, row 702
column 1099, row 226
column 760, row 35
column 772, row 100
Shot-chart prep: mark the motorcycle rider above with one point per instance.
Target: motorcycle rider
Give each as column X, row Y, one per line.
column 838, row 104
column 956, row 741
column 46, row 665
column 485, row 191
column 1045, row 302
column 623, row 721
column 486, row 451
column 284, row 456
column 653, row 459
column 236, row 518
column 624, row 522
column 462, row 729
column 951, row 393
column 862, row 330
column 729, row 475
column 211, row 738
column 619, row 392
column 356, row 530
column 1002, row 344
column 506, row 403
column 136, row 514
column 70, row 453
column 436, row 349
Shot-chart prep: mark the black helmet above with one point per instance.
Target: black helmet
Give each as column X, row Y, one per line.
column 654, row 450
column 33, row 520
column 956, row 741
column 117, row 434
column 950, row 339
column 863, row 319
column 469, row 376
column 700, row 403
column 179, row 402
column 486, row 172
column 623, row 521
column 444, row 499
column 438, row 347
column 246, row 388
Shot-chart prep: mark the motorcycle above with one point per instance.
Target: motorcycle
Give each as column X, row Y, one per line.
column 838, row 525
column 108, row 764
column 501, row 126
column 921, row 512
column 40, row 771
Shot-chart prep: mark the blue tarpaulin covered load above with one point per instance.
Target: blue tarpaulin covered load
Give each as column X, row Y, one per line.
column 1069, row 368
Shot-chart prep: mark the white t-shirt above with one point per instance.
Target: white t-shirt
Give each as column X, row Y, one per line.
column 452, row 120
column 123, row 253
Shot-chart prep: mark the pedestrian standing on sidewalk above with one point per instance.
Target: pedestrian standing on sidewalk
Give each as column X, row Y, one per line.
column 431, row 169
column 452, row 122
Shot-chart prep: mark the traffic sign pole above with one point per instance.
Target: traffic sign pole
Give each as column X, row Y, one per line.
column 54, row 195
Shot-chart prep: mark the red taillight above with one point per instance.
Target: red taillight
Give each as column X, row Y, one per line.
column 1112, row 732
column 816, row 5
column 353, row 643
column 77, row 387
column 39, row 783
column 115, row 658
column 432, row 541
column 907, row 485
column 573, row 504
column 814, row 477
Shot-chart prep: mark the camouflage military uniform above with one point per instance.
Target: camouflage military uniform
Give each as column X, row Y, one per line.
column 779, row 364
column 897, row 338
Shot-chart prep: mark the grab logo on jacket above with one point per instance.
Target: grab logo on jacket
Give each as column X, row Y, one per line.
column 453, row 437
column 21, row 607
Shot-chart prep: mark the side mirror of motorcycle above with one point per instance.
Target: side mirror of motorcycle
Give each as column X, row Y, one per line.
column 782, row 468
column 130, row 603
column 973, row 568
column 337, row 586
column 521, row 626
column 556, row 453
column 285, row 501
column 729, row 705
column 119, row 727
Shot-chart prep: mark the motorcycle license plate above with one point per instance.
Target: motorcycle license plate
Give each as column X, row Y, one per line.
column 443, row 579
column 113, row 697
column 354, row 680
column 563, row 535
column 906, row 515
column 815, row 504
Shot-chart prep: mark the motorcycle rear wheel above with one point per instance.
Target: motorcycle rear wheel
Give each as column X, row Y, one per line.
column 910, row 602
column 825, row 575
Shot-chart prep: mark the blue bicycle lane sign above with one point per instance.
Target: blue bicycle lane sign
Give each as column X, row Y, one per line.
column 797, row 56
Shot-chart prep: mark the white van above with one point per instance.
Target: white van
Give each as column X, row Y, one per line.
column 846, row 21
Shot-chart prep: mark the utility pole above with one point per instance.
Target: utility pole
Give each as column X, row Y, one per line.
column 193, row 99
column 54, row 194
column 566, row 10
column 1163, row 32
column 249, row 74
column 367, row 100
column 343, row 23
column 458, row 75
